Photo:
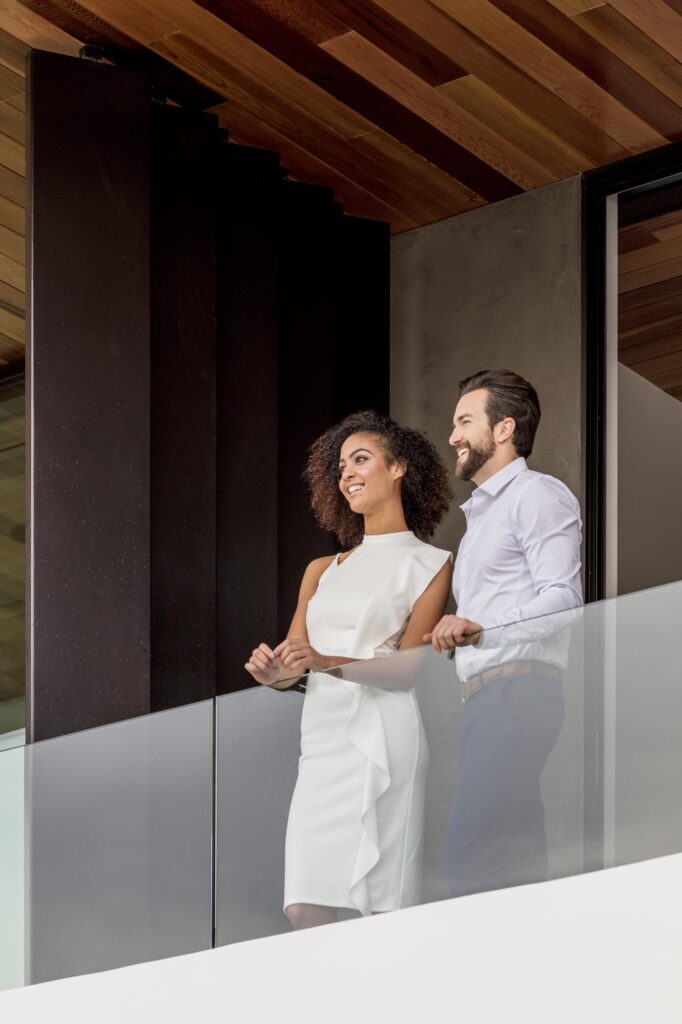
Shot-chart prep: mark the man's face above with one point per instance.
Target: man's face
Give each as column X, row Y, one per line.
column 472, row 436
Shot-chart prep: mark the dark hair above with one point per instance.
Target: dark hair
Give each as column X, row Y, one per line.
column 508, row 395
column 425, row 491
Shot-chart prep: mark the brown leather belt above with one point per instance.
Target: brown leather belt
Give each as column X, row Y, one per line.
column 468, row 687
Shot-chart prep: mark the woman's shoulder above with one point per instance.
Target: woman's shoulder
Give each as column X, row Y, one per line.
column 318, row 566
column 430, row 551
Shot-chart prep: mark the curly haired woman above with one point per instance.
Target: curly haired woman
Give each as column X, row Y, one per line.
column 356, row 820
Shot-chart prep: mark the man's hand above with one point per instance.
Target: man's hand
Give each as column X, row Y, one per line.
column 453, row 632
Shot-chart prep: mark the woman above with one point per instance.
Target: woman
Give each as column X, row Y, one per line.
column 355, row 823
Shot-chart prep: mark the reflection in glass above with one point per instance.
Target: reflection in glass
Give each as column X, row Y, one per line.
column 12, row 557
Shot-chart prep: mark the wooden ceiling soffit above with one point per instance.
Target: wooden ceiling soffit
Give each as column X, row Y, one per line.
column 597, row 62
column 503, row 76
column 399, row 177
column 120, row 48
column 553, row 72
column 365, row 97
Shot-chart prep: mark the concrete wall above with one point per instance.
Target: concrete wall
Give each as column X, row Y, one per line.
column 497, row 287
column 649, row 484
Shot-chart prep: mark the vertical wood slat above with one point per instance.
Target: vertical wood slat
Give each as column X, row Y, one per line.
column 184, row 192
column 88, row 395
column 247, row 408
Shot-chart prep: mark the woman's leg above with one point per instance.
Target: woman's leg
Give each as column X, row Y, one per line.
column 309, row 915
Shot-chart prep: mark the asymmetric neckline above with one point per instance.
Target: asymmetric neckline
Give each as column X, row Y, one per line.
column 370, row 541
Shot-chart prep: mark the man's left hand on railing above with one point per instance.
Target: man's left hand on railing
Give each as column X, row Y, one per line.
column 453, row 631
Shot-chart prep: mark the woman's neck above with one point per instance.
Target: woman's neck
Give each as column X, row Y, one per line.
column 390, row 520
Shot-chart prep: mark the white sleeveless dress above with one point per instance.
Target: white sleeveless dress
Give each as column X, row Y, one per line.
column 355, row 826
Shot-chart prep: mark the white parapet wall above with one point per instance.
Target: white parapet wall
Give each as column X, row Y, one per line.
column 602, row 947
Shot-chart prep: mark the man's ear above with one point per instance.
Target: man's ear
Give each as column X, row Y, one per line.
column 504, row 430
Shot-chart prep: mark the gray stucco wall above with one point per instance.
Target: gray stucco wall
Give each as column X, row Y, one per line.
column 496, row 287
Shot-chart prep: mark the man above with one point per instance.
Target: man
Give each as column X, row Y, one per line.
column 519, row 560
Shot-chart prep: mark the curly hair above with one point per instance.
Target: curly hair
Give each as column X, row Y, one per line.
column 425, row 490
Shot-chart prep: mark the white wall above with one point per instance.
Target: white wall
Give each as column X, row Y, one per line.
column 601, row 947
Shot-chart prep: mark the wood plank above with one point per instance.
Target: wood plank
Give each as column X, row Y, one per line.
column 672, row 231
column 395, row 174
column 12, row 298
column 651, row 312
column 12, row 186
column 10, row 350
column 666, row 380
column 516, row 125
column 303, row 166
column 12, row 273
column 12, row 155
column 636, row 48
column 554, row 73
column 650, row 331
column 576, row 6
column 647, row 256
column 12, row 245
column 10, row 83
column 566, row 38
column 633, row 238
column 96, row 27
column 657, row 20
column 506, row 78
column 662, row 366
column 395, row 38
column 438, row 109
column 12, row 122
column 667, row 289
column 397, row 118
column 662, row 220
column 12, row 52
column 12, row 216
column 659, row 347
column 35, row 31
column 654, row 274
column 314, row 22
column 12, row 326
column 90, row 23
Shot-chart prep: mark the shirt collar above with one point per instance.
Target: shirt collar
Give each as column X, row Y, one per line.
column 497, row 481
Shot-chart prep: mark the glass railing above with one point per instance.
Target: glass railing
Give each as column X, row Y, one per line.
column 551, row 747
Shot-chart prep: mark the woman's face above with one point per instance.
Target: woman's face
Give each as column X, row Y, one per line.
column 365, row 479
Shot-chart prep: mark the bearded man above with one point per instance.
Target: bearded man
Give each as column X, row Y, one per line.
column 518, row 560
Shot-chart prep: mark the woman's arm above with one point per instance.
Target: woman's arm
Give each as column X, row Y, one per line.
column 269, row 666
column 428, row 609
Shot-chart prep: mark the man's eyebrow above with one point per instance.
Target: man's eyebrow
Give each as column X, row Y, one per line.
column 462, row 416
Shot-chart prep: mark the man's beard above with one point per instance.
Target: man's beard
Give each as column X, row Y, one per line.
column 475, row 460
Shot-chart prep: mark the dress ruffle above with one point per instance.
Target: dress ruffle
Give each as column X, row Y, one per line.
column 386, row 615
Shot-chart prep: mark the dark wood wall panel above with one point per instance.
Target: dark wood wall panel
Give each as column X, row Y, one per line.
column 184, row 198
column 248, row 426
column 309, row 226
column 88, row 390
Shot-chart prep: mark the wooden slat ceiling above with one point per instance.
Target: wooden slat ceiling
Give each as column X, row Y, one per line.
column 650, row 300
column 412, row 110
column 12, row 202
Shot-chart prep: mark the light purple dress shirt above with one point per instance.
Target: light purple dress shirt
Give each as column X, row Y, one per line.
column 519, row 559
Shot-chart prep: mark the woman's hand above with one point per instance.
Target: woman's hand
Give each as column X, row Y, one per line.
column 297, row 656
column 264, row 665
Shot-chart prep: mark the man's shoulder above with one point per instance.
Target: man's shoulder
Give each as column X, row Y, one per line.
column 542, row 486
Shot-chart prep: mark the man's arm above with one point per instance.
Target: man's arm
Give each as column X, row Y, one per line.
column 548, row 529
